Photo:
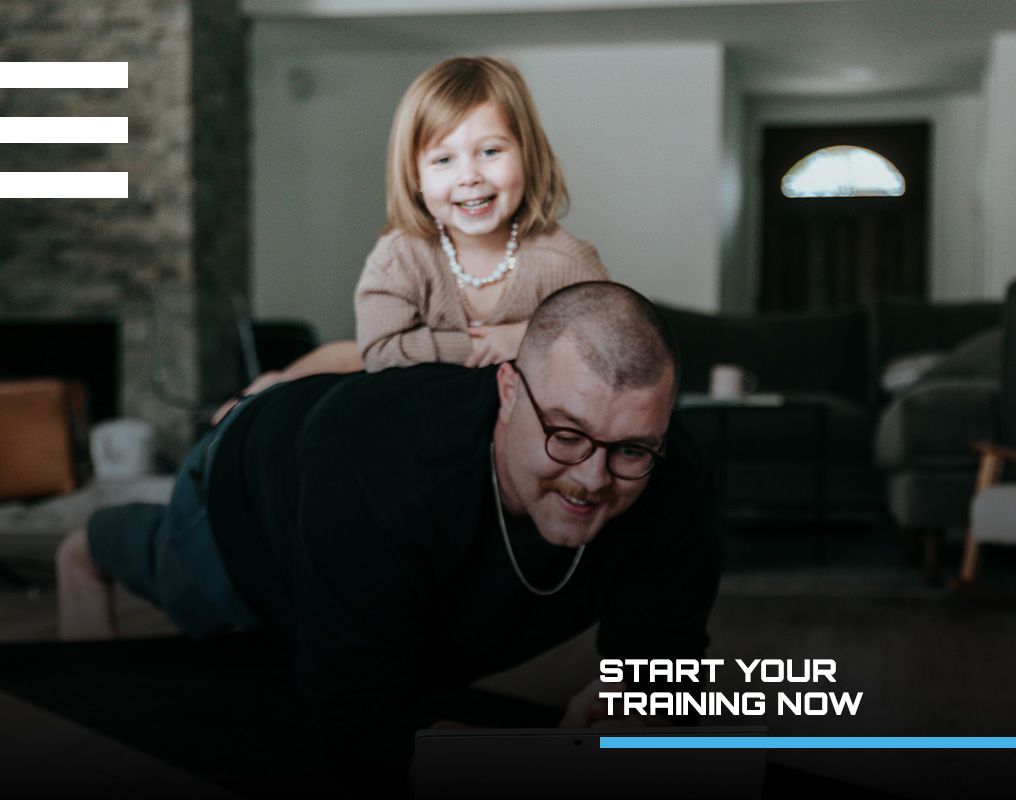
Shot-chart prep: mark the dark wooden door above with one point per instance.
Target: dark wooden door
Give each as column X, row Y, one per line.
column 837, row 252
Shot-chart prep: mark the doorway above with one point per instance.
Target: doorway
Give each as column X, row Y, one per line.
column 833, row 252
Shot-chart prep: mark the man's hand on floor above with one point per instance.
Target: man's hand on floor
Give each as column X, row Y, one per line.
column 586, row 709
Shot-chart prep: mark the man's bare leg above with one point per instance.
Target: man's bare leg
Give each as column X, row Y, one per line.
column 84, row 593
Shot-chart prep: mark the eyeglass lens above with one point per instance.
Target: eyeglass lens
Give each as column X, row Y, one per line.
column 623, row 461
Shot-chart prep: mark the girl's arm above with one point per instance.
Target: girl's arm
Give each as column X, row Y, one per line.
column 339, row 356
column 390, row 333
column 390, row 313
column 494, row 344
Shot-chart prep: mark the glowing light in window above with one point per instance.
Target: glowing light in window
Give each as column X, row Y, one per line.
column 843, row 171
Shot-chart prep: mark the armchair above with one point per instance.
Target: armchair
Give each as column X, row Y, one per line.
column 993, row 509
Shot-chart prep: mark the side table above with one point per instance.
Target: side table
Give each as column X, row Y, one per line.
column 813, row 413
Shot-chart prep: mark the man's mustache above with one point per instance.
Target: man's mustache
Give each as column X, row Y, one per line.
column 606, row 495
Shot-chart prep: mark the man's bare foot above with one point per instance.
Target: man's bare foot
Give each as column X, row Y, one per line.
column 84, row 593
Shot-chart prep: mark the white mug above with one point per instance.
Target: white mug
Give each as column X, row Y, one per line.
column 730, row 382
column 121, row 448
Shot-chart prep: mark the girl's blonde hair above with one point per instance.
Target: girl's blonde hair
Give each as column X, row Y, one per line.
column 435, row 104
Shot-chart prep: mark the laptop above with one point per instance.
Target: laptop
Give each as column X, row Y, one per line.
column 560, row 763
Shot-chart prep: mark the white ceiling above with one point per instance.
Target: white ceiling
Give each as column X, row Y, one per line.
column 777, row 47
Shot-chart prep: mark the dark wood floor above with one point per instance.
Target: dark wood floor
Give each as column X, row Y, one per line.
column 927, row 662
column 30, row 615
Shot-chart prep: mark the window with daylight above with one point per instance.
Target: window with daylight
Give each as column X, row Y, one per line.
column 843, row 171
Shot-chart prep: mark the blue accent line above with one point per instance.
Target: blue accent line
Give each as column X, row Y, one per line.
column 807, row 742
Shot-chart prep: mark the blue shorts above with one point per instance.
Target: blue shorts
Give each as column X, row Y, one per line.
column 168, row 554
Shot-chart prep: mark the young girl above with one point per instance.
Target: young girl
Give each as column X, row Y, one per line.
column 472, row 243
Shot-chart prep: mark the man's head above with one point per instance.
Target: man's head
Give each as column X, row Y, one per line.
column 596, row 360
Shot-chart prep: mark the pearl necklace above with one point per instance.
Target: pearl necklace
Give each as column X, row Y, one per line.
column 500, row 271
column 508, row 544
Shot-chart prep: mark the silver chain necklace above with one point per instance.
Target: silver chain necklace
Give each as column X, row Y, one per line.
column 508, row 544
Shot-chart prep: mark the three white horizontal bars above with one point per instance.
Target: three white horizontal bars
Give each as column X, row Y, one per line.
column 63, row 130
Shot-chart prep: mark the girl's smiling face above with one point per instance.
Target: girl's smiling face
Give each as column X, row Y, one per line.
column 472, row 179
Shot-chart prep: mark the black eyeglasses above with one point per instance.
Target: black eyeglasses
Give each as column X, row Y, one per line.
column 625, row 460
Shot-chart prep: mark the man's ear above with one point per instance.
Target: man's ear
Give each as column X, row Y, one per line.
column 507, row 391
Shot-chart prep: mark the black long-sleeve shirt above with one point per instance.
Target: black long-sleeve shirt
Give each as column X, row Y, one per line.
column 356, row 514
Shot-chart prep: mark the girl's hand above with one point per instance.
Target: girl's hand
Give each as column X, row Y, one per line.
column 493, row 344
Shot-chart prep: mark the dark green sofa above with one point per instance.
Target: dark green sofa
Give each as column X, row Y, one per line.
column 834, row 360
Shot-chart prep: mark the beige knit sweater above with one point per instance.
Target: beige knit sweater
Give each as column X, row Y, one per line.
column 409, row 309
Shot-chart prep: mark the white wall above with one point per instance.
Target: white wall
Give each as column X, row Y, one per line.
column 637, row 128
column 956, row 224
column 318, row 163
column 736, row 282
column 1000, row 165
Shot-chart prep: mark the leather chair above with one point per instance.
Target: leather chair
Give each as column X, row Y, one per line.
column 206, row 348
column 203, row 348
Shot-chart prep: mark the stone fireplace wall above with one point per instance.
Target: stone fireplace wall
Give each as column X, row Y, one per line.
column 185, row 222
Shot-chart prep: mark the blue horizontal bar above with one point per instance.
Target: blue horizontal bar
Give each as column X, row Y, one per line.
column 807, row 742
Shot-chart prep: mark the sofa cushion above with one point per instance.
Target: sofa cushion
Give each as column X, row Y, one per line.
column 977, row 356
column 933, row 500
column 824, row 353
column 902, row 326
column 934, row 424
column 902, row 373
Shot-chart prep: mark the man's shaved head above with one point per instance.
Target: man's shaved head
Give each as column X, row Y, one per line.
column 617, row 332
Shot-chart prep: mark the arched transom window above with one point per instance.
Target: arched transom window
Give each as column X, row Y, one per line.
column 843, row 171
